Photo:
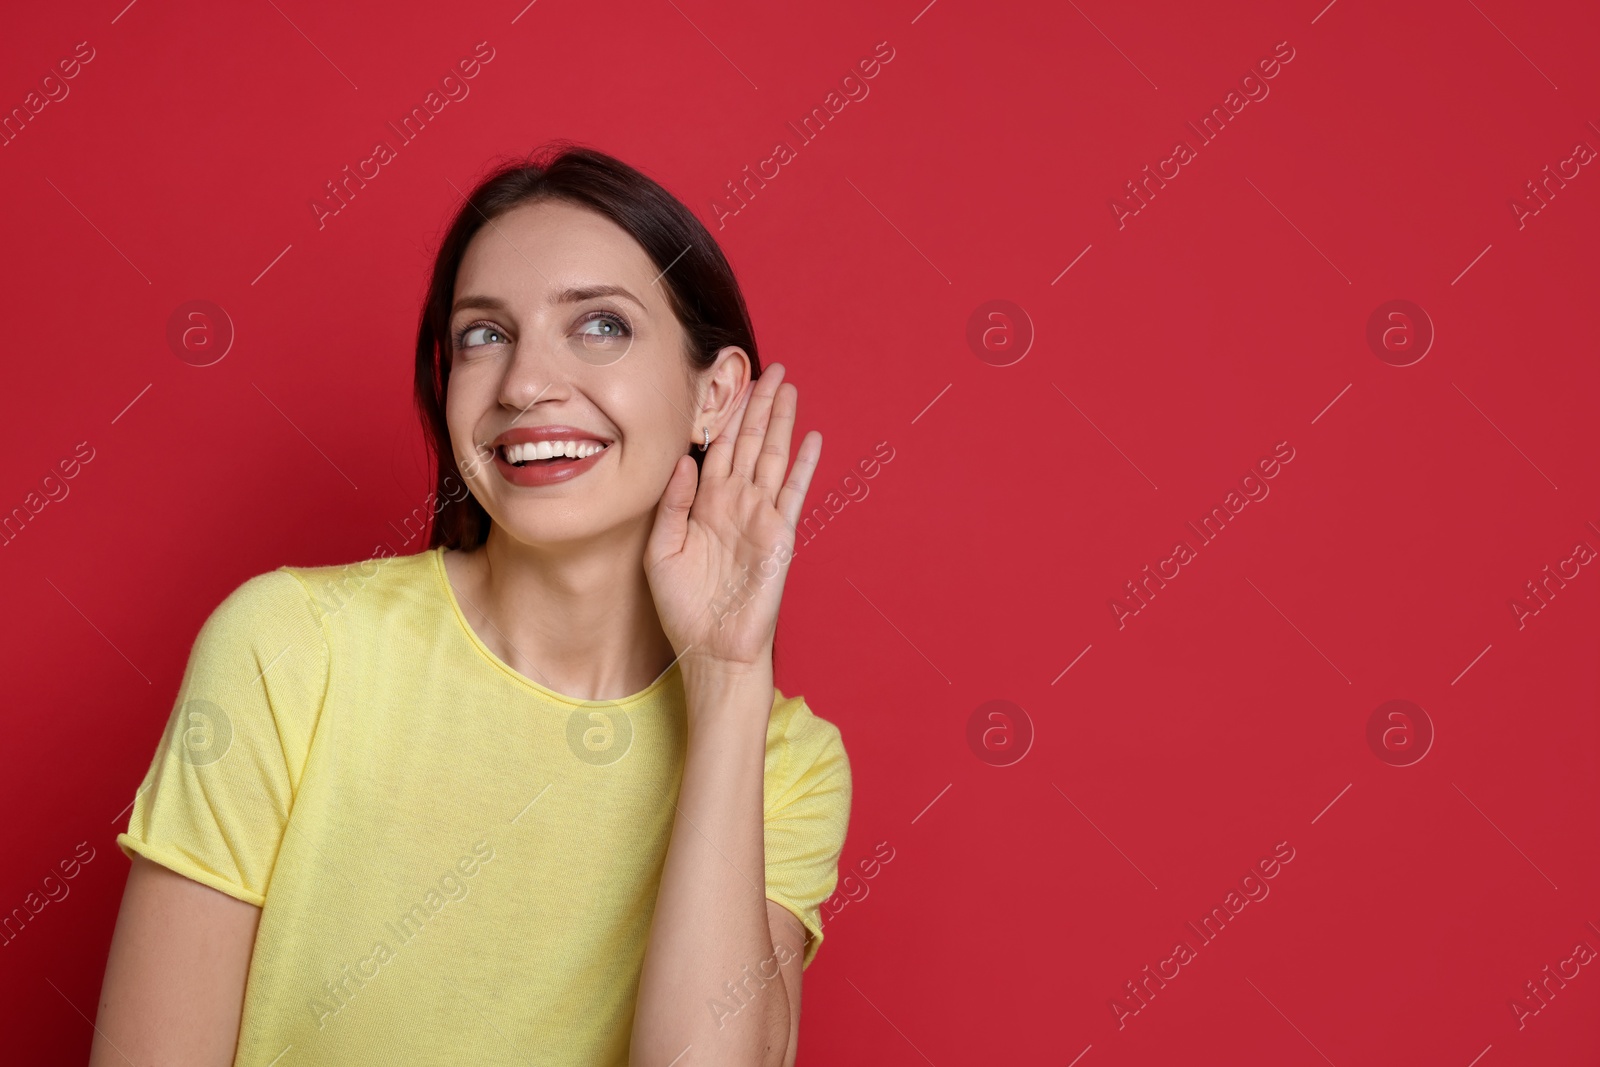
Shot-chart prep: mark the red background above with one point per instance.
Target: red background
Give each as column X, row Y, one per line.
column 1226, row 316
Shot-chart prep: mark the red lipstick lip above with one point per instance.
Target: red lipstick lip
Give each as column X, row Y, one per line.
column 523, row 434
column 546, row 473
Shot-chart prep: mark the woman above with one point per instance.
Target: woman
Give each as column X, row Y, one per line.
column 529, row 796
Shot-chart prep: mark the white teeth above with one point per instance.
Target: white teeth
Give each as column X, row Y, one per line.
column 530, row 450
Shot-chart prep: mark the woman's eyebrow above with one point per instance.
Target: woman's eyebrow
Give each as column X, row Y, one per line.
column 487, row 303
column 569, row 295
column 578, row 294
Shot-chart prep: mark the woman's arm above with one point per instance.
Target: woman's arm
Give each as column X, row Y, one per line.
column 728, row 529
column 174, row 983
column 712, row 922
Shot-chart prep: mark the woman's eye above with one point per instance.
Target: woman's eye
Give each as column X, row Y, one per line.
column 604, row 326
column 490, row 335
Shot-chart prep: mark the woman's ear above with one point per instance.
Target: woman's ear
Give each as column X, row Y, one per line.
column 721, row 386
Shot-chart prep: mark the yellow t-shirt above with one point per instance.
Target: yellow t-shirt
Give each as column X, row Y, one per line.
column 454, row 863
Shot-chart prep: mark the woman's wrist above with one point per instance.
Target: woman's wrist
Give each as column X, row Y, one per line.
column 718, row 689
column 704, row 669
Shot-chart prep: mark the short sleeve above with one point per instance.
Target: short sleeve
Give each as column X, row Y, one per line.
column 214, row 803
column 807, row 812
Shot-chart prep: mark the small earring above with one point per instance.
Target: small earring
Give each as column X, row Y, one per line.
column 707, row 431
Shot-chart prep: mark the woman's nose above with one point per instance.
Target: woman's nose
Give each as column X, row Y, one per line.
column 532, row 374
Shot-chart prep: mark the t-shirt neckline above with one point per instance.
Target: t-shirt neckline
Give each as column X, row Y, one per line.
column 545, row 691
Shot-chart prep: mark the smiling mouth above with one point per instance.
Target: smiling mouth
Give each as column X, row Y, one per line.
column 549, row 453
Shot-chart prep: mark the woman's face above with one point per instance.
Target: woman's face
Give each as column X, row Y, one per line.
column 559, row 322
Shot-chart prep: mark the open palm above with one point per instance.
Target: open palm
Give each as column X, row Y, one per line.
column 720, row 549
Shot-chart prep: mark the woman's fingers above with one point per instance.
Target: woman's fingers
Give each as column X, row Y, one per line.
column 672, row 512
column 773, row 462
column 752, row 433
column 793, row 495
column 719, row 457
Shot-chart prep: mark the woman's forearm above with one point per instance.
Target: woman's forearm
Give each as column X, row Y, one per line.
column 710, row 921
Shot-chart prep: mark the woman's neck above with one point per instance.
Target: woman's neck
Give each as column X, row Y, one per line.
column 578, row 620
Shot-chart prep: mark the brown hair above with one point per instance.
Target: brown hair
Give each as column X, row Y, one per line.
column 700, row 285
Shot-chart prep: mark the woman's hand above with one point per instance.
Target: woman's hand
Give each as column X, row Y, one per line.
column 719, row 552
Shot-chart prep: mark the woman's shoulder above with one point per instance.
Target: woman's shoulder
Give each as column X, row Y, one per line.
column 332, row 588
column 793, row 717
column 296, row 597
column 802, row 746
column 260, row 601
